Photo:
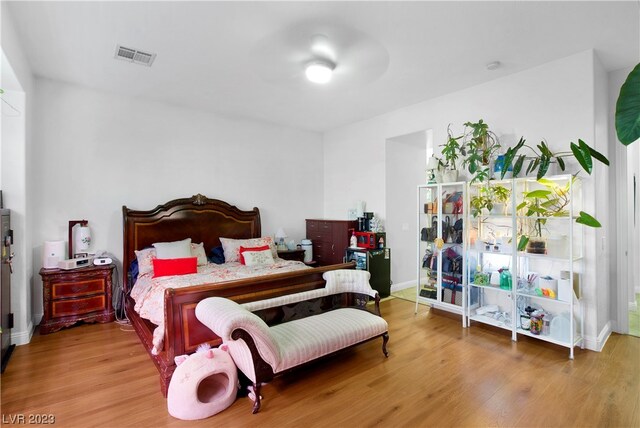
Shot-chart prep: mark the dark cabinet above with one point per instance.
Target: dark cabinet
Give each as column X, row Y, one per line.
column 329, row 238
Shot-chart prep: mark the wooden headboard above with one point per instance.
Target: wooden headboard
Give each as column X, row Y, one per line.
column 199, row 218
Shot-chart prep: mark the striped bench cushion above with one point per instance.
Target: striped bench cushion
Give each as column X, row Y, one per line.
column 309, row 338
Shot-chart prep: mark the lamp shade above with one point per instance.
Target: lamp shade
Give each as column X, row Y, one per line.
column 82, row 239
column 281, row 234
column 432, row 163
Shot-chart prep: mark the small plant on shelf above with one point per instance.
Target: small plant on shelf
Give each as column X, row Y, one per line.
column 450, row 152
column 488, row 198
column 541, row 204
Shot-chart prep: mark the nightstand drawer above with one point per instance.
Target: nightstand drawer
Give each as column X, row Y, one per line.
column 63, row 308
column 77, row 289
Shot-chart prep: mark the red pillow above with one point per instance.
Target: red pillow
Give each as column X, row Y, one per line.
column 243, row 249
column 168, row 267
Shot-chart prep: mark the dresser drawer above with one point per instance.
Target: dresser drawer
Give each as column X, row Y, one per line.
column 63, row 308
column 77, row 289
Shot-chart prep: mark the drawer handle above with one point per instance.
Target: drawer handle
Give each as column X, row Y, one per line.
column 81, row 288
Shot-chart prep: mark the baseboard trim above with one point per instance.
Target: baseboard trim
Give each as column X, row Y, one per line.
column 597, row 343
column 402, row 285
column 22, row 337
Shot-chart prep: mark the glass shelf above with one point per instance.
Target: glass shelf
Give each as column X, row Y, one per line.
column 490, row 287
column 543, row 298
column 491, row 321
column 548, row 338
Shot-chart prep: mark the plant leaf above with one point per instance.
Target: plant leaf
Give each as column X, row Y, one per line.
column 521, row 205
column 540, row 193
column 599, row 156
column 584, row 147
column 561, row 162
column 544, row 166
column 522, row 242
column 508, row 158
column 628, row 109
column 579, row 155
column 587, row 220
column 518, row 165
column 547, row 183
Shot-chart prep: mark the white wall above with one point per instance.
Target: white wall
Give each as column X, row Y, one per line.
column 95, row 152
column 554, row 101
column 15, row 152
column 405, row 168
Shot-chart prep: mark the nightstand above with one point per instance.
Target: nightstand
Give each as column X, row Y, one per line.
column 70, row 296
column 297, row 254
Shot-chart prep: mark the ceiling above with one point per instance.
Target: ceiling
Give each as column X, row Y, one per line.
column 245, row 59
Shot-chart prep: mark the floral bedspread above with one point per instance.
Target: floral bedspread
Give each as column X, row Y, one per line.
column 148, row 292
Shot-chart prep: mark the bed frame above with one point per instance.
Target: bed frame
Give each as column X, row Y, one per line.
column 203, row 220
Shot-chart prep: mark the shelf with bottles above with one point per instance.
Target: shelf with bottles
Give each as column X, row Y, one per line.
column 538, row 321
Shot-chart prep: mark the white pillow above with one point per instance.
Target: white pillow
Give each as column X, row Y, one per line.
column 197, row 250
column 231, row 247
column 173, row 250
column 254, row 258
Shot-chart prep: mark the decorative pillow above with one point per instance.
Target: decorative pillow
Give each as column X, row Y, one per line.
column 145, row 260
column 197, row 250
column 254, row 258
column 232, row 246
column 181, row 266
column 217, row 255
column 173, row 250
column 243, row 250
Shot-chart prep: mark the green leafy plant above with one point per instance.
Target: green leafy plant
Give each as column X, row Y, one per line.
column 628, row 109
column 479, row 146
column 487, row 197
column 451, row 149
column 551, row 201
column 542, row 158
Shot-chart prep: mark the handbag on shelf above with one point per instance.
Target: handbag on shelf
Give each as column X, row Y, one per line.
column 452, row 203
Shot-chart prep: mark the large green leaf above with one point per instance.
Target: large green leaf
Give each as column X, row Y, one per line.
column 581, row 158
column 628, row 109
column 599, row 156
column 518, row 165
column 544, row 166
column 587, row 220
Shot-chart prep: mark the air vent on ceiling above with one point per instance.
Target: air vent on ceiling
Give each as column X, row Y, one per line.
column 135, row 56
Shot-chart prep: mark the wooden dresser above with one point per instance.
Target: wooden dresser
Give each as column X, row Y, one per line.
column 70, row 296
column 330, row 238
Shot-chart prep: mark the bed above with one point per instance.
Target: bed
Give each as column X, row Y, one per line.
column 203, row 220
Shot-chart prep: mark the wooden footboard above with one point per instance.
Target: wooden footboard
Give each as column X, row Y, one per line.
column 183, row 332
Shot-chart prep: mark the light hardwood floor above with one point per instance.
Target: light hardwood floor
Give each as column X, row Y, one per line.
column 437, row 374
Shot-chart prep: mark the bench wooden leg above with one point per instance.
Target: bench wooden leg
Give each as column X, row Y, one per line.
column 385, row 339
column 256, row 391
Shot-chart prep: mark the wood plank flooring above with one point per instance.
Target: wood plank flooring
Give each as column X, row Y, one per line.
column 437, row 374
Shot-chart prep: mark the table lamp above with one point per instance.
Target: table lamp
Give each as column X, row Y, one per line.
column 280, row 237
column 432, row 165
column 82, row 238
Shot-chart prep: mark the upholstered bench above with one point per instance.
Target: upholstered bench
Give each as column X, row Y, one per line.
column 268, row 337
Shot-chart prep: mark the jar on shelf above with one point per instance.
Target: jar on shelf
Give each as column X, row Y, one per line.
column 536, row 322
column 505, row 279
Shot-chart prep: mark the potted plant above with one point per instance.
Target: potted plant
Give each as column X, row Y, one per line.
column 490, row 198
column 479, row 147
column 541, row 204
column 500, row 195
column 543, row 157
column 450, row 152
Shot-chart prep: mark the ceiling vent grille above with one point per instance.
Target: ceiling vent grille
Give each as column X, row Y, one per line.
column 135, row 56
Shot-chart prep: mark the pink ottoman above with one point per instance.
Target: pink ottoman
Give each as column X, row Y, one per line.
column 203, row 384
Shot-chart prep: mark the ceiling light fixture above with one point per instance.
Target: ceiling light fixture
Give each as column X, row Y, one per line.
column 319, row 71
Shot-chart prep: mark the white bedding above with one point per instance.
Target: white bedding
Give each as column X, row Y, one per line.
column 148, row 292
